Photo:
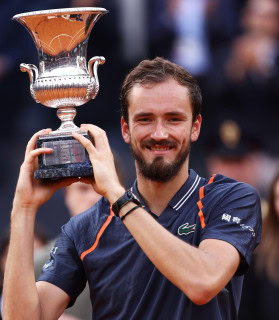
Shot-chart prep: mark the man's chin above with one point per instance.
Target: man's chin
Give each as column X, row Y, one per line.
column 159, row 159
column 159, row 168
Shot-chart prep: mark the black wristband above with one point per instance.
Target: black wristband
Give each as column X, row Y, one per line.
column 134, row 208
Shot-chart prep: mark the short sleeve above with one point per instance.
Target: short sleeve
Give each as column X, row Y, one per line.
column 64, row 269
column 236, row 219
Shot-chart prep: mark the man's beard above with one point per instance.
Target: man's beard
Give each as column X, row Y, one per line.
column 158, row 170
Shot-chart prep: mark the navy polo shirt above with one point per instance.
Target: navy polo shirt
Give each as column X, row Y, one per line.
column 124, row 284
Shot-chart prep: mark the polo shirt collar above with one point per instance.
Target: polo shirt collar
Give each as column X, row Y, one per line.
column 182, row 195
column 185, row 192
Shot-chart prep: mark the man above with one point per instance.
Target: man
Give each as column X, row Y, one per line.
column 179, row 252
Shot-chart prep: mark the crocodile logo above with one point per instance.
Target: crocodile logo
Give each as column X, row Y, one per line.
column 186, row 229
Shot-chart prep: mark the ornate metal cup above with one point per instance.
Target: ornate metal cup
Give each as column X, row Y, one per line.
column 63, row 81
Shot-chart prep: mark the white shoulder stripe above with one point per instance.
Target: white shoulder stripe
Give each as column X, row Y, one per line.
column 188, row 194
column 185, row 195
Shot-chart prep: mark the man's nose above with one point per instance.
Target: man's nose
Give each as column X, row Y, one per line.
column 159, row 131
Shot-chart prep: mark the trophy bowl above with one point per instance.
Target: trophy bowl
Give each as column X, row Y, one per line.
column 63, row 81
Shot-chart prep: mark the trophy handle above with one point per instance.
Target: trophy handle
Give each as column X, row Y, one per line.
column 32, row 71
column 33, row 76
column 93, row 71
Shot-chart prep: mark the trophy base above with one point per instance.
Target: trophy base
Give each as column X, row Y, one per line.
column 69, row 157
column 58, row 173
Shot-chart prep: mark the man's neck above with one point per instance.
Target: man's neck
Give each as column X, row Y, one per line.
column 157, row 194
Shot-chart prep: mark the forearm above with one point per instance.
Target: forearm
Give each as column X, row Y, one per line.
column 193, row 270
column 20, row 297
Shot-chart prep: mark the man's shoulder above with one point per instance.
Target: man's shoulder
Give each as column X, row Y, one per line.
column 225, row 189
column 221, row 183
column 89, row 218
column 82, row 228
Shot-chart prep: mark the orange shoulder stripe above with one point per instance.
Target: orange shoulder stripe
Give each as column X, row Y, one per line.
column 212, row 178
column 99, row 234
column 199, row 203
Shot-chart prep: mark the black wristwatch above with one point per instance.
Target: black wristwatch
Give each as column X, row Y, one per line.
column 128, row 196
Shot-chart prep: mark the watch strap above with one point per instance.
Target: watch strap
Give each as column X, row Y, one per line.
column 127, row 197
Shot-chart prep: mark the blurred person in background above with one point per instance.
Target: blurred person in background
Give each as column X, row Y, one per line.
column 260, row 294
column 231, row 152
column 199, row 27
column 255, row 51
column 190, row 48
column 242, row 84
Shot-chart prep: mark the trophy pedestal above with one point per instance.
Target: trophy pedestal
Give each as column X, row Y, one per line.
column 69, row 157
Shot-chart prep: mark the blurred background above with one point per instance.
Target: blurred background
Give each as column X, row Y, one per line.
column 231, row 46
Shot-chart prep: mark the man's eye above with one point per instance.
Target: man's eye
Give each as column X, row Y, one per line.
column 174, row 119
column 144, row 120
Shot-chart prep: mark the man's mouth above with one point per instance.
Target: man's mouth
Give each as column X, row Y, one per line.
column 161, row 146
column 158, row 148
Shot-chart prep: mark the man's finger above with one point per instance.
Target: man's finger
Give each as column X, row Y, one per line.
column 88, row 145
column 32, row 142
column 32, row 155
column 99, row 135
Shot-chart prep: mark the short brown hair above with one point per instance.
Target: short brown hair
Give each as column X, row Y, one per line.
column 156, row 71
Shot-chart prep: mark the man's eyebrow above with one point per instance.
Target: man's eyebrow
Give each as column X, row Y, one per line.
column 176, row 113
column 171, row 113
column 143, row 114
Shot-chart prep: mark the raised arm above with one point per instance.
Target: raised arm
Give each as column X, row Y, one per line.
column 21, row 299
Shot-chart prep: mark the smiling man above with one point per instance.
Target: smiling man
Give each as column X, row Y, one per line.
column 156, row 131
column 174, row 246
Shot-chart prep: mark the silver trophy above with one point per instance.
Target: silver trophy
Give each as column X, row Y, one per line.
column 64, row 81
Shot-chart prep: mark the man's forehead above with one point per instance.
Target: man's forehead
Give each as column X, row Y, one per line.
column 169, row 85
column 163, row 98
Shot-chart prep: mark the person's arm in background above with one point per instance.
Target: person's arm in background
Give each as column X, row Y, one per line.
column 22, row 299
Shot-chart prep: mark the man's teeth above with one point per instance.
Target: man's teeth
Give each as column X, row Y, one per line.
column 159, row 148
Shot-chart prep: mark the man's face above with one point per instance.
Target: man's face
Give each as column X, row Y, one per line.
column 262, row 17
column 160, row 129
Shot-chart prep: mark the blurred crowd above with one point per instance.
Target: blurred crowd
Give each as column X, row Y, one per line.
column 231, row 46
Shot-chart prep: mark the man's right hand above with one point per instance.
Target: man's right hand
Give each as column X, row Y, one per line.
column 31, row 193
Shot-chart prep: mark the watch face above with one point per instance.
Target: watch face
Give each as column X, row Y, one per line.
column 129, row 195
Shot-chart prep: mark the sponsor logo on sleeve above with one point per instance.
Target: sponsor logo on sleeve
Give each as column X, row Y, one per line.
column 237, row 220
column 50, row 260
column 53, row 250
column 48, row 264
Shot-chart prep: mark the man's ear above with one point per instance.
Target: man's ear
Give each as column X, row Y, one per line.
column 196, row 127
column 125, row 131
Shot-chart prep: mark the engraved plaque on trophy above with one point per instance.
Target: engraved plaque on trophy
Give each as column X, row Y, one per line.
column 64, row 81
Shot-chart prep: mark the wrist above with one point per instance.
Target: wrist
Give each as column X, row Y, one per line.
column 26, row 209
column 122, row 215
column 22, row 218
column 115, row 194
column 125, row 198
